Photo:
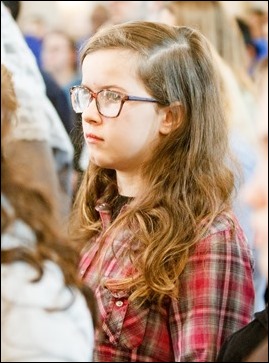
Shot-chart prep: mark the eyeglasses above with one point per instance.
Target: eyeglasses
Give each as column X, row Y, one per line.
column 108, row 103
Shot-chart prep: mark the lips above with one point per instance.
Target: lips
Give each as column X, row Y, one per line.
column 93, row 137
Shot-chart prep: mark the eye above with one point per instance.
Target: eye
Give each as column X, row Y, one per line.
column 111, row 96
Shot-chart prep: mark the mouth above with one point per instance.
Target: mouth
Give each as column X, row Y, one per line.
column 92, row 138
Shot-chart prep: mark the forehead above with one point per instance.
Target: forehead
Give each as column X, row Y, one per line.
column 110, row 66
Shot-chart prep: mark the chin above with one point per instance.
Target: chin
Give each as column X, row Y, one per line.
column 101, row 164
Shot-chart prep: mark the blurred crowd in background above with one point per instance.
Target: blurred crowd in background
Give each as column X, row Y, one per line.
column 56, row 31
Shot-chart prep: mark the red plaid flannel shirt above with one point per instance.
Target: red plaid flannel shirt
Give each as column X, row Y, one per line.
column 216, row 299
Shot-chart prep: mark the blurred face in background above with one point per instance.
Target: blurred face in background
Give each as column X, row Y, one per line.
column 57, row 53
column 256, row 193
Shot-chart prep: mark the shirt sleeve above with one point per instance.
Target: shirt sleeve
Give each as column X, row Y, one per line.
column 215, row 298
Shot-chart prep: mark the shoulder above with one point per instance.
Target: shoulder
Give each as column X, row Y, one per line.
column 224, row 241
column 225, row 228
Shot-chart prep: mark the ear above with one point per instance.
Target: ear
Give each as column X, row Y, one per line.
column 170, row 119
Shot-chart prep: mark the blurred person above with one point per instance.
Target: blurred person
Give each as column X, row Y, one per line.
column 250, row 46
column 153, row 10
column 59, row 100
column 46, row 312
column 258, row 24
column 250, row 344
column 59, row 59
column 99, row 16
column 164, row 254
column 55, row 94
column 254, row 29
column 124, row 11
column 45, row 149
column 212, row 20
column 256, row 193
column 14, row 7
column 34, row 30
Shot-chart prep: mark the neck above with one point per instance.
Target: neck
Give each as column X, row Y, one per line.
column 129, row 185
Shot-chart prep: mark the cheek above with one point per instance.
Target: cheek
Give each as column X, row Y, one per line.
column 83, row 124
column 131, row 142
column 141, row 130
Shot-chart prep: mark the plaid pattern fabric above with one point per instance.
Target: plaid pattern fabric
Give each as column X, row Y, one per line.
column 216, row 299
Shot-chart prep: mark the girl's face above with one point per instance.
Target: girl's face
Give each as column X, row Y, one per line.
column 256, row 193
column 120, row 143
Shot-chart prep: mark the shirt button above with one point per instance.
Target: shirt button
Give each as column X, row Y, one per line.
column 119, row 303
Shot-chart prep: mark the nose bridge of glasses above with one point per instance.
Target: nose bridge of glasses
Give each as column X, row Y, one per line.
column 91, row 96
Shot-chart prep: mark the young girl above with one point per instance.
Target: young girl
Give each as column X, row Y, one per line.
column 44, row 312
column 166, row 258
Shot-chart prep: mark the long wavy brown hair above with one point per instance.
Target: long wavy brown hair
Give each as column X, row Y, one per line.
column 187, row 181
column 30, row 204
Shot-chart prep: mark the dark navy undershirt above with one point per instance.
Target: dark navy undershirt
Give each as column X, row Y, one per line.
column 121, row 200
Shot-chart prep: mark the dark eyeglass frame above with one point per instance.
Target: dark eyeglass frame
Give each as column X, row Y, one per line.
column 124, row 98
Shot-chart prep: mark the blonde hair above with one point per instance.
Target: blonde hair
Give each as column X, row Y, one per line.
column 187, row 180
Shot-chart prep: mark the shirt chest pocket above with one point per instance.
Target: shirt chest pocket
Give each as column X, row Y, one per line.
column 123, row 323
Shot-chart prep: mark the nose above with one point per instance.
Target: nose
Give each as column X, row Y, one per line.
column 91, row 114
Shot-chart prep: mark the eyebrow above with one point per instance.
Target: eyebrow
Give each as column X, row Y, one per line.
column 108, row 87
